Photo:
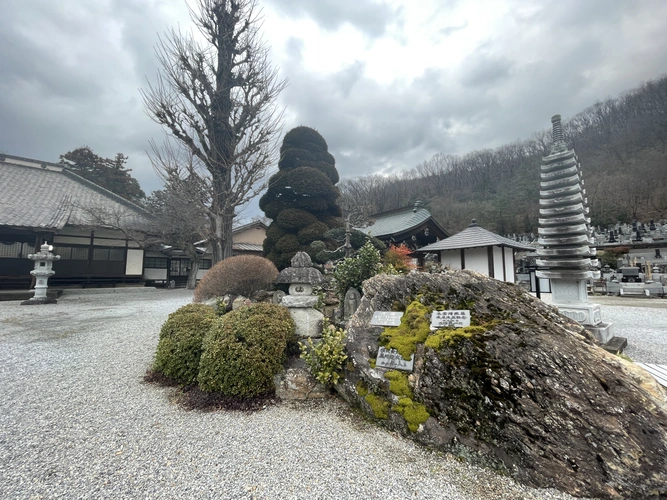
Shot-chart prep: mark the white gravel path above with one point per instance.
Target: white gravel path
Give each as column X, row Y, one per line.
column 77, row 421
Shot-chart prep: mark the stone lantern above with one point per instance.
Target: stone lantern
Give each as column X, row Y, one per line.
column 42, row 272
column 300, row 301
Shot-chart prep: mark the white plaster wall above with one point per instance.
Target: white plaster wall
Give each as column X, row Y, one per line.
column 509, row 264
column 451, row 258
column 254, row 235
column 498, row 262
column 477, row 259
column 134, row 265
column 155, row 274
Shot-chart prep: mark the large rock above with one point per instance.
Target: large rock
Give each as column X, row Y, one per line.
column 295, row 382
column 528, row 390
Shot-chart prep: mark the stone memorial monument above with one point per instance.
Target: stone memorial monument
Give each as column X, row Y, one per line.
column 301, row 301
column 565, row 254
column 42, row 272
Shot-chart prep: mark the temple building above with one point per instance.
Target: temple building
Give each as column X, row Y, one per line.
column 480, row 250
column 413, row 226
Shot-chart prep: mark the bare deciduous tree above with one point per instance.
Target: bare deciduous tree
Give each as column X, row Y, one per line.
column 177, row 209
column 217, row 98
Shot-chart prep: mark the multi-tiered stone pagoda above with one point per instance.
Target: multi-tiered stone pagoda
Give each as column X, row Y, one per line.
column 565, row 252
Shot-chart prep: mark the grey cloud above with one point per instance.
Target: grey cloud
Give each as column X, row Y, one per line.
column 450, row 30
column 369, row 17
column 81, row 85
column 71, row 74
column 484, row 69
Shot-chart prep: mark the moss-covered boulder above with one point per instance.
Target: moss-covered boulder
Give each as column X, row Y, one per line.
column 522, row 389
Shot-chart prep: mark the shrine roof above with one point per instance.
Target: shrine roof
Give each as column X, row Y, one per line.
column 399, row 221
column 474, row 236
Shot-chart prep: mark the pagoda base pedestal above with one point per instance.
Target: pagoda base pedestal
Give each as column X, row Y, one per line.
column 571, row 299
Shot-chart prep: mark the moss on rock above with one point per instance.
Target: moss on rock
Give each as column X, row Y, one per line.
column 398, row 383
column 413, row 413
column 362, row 389
column 379, row 405
column 414, row 329
column 450, row 336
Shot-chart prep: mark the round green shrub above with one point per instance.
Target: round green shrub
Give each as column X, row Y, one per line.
column 312, row 232
column 244, row 350
column 293, row 218
column 302, row 137
column 180, row 346
column 275, row 232
column 288, row 243
column 238, row 275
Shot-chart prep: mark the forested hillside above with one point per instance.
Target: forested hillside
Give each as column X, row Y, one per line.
column 621, row 144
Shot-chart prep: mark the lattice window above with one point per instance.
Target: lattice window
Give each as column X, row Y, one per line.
column 117, row 254
column 155, row 263
column 13, row 250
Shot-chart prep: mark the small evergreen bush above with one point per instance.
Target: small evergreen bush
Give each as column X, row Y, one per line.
column 240, row 275
column 353, row 271
column 180, row 345
column 325, row 359
column 244, row 350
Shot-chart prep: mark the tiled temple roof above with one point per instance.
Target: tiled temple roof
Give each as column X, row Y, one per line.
column 36, row 194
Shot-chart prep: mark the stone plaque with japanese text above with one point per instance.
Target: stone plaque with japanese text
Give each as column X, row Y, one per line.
column 450, row 318
column 386, row 318
column 390, row 358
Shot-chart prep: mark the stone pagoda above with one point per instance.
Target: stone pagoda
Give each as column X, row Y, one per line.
column 565, row 252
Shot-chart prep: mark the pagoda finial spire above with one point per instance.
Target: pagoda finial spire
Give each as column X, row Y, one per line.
column 558, row 143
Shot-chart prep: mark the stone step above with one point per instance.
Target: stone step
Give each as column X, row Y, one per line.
column 615, row 345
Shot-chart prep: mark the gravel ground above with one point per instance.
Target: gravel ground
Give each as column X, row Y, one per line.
column 643, row 321
column 77, row 421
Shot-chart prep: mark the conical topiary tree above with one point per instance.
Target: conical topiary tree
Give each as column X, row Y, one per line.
column 302, row 196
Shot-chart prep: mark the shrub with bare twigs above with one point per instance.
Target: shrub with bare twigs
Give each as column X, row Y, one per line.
column 240, row 275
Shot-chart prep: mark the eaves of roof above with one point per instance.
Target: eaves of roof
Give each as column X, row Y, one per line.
column 393, row 223
column 471, row 237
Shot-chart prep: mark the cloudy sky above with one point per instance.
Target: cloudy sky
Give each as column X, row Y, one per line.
column 388, row 83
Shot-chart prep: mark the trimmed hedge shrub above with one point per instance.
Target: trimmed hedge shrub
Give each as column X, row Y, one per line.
column 180, row 346
column 239, row 275
column 244, row 350
column 312, row 232
column 288, row 243
column 293, row 218
column 300, row 195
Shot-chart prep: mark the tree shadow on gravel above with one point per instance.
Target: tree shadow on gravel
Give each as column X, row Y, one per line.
column 191, row 397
